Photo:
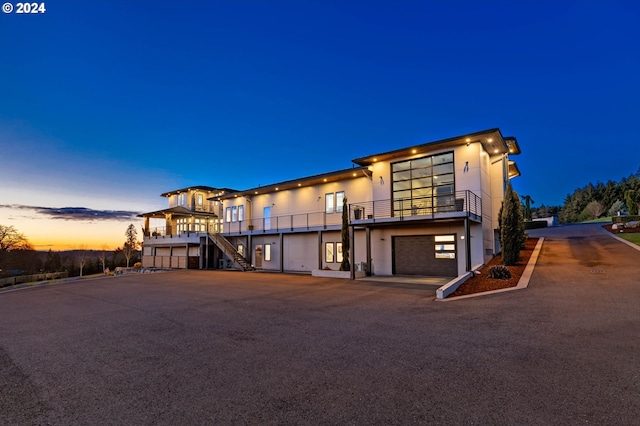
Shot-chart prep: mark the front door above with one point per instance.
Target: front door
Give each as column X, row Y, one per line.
column 258, row 260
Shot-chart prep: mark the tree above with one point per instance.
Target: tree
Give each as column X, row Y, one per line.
column 615, row 208
column 52, row 262
column 131, row 244
column 345, row 265
column 103, row 259
column 82, row 258
column 631, row 201
column 512, row 236
column 528, row 201
column 595, row 209
column 11, row 240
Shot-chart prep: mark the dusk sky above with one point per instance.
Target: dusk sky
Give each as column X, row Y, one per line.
column 104, row 105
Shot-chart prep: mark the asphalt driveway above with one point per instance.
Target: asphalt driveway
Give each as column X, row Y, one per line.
column 214, row 347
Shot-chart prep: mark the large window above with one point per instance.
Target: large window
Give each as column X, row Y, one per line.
column 339, row 201
column 423, row 185
column 333, row 202
column 329, row 203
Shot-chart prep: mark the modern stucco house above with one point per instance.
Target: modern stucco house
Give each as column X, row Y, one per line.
column 430, row 209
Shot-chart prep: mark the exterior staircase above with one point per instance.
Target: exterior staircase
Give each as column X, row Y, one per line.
column 230, row 251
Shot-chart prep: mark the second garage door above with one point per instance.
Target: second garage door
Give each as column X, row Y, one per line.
column 429, row 255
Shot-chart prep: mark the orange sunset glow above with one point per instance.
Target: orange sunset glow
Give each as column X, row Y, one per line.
column 49, row 233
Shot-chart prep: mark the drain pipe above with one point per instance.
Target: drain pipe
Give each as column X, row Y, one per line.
column 467, row 236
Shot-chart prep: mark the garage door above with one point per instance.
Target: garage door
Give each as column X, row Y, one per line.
column 429, row 255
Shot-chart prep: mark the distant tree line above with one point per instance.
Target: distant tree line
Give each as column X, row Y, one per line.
column 602, row 199
column 17, row 256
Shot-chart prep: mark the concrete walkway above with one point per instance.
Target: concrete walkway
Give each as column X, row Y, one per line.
column 227, row 348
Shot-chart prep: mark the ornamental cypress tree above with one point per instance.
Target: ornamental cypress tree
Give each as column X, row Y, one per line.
column 345, row 265
column 512, row 236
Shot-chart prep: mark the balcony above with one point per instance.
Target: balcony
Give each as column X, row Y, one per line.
column 464, row 204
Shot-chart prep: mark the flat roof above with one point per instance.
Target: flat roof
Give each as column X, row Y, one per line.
column 491, row 139
column 335, row 176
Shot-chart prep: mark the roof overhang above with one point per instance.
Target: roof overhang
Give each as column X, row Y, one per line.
column 196, row 188
column 177, row 211
column 513, row 170
column 352, row 173
column 492, row 141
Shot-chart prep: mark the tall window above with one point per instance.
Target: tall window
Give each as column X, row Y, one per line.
column 329, row 203
column 240, row 213
column 423, row 185
column 267, row 252
column 329, row 253
column 339, row 201
column 227, row 214
column 234, row 213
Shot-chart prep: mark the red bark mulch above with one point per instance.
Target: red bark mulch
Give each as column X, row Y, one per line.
column 482, row 282
column 625, row 230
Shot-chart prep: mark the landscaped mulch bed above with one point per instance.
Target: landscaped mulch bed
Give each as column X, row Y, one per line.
column 622, row 231
column 482, row 282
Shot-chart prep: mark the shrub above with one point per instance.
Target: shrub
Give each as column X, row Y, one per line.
column 512, row 235
column 499, row 272
column 137, row 265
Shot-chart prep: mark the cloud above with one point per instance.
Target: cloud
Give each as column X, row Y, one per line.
column 76, row 213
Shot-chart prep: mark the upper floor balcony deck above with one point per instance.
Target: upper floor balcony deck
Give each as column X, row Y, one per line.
column 464, row 204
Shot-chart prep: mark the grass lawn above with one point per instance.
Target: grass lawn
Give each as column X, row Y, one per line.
column 634, row 238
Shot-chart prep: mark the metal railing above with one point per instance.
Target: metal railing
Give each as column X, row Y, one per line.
column 462, row 203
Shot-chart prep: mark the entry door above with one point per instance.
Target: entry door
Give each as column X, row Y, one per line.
column 258, row 260
column 267, row 218
column 424, row 255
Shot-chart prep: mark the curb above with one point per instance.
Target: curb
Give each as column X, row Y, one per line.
column 622, row 240
column 522, row 283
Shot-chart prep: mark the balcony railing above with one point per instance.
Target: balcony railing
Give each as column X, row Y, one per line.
column 463, row 203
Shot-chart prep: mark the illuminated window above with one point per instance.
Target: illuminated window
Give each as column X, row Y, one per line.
column 445, row 246
column 200, row 199
column 424, row 185
column 227, row 214
column 329, row 253
column 267, row 252
column 240, row 213
column 339, row 252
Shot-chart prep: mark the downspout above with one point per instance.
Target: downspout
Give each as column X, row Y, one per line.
column 467, row 237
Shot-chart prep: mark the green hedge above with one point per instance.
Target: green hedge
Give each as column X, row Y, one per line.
column 625, row 219
column 536, row 224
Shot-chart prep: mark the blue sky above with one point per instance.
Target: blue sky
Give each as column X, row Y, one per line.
column 106, row 104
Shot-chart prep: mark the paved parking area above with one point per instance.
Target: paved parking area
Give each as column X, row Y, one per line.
column 219, row 347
